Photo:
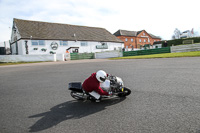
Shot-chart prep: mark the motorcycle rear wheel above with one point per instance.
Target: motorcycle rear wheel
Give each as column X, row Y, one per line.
column 126, row 92
column 77, row 95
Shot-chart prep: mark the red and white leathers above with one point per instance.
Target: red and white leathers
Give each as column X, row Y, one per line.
column 92, row 84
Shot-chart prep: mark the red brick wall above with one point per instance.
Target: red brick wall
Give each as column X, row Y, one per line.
column 136, row 40
column 128, row 41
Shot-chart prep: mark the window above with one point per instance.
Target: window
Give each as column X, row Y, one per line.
column 131, row 39
column 144, row 40
column 140, row 40
column 144, row 34
column 34, row 42
column 38, row 42
column 84, row 44
column 126, row 39
column 63, row 43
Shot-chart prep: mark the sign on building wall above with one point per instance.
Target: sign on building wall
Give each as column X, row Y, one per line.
column 102, row 46
column 54, row 45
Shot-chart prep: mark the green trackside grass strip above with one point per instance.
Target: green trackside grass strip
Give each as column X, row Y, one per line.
column 166, row 55
column 16, row 63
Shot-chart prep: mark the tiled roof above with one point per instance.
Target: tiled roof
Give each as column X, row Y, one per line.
column 56, row 31
column 139, row 32
column 153, row 36
column 131, row 33
column 125, row 33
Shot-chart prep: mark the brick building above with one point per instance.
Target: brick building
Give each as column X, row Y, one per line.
column 136, row 39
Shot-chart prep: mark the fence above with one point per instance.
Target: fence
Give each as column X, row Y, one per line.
column 147, row 52
column 79, row 56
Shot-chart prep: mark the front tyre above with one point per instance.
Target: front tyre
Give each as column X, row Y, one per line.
column 125, row 93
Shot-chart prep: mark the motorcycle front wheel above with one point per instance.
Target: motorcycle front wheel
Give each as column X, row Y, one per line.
column 125, row 93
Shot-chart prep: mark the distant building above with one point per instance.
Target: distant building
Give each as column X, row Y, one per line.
column 186, row 34
column 136, row 39
column 4, row 48
column 34, row 37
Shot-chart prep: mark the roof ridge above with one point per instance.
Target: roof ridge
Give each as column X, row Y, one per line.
column 120, row 32
column 57, row 23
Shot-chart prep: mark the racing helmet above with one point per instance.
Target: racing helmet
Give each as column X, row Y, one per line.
column 101, row 76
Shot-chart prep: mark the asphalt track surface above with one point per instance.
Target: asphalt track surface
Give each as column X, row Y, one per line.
column 165, row 97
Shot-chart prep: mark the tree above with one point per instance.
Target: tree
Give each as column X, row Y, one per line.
column 177, row 33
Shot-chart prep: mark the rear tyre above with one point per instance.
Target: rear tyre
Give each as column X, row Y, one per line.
column 126, row 92
column 77, row 95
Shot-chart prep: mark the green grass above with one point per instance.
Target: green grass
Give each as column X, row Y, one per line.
column 166, row 55
column 16, row 63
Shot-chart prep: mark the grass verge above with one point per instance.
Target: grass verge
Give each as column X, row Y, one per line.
column 166, row 55
column 16, row 63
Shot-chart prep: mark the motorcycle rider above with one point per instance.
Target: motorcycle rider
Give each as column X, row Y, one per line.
column 92, row 84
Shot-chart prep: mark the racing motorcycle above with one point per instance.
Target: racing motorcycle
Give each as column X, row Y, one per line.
column 113, row 84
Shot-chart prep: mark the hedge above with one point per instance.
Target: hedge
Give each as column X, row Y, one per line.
column 178, row 41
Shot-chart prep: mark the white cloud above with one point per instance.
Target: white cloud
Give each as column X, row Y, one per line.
column 155, row 16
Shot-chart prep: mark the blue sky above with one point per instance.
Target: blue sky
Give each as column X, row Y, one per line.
column 159, row 17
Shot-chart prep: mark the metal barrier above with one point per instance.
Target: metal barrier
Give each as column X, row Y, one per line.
column 80, row 56
column 108, row 54
column 185, row 48
column 147, row 51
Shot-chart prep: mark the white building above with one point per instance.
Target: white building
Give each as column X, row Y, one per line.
column 34, row 37
column 186, row 34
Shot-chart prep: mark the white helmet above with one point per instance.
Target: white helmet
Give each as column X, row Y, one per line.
column 101, row 76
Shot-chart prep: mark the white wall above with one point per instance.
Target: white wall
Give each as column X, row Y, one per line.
column 20, row 48
column 31, row 58
column 91, row 47
column 13, row 47
column 26, row 58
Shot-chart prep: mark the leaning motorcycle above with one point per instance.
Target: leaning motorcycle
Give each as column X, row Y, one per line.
column 113, row 84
